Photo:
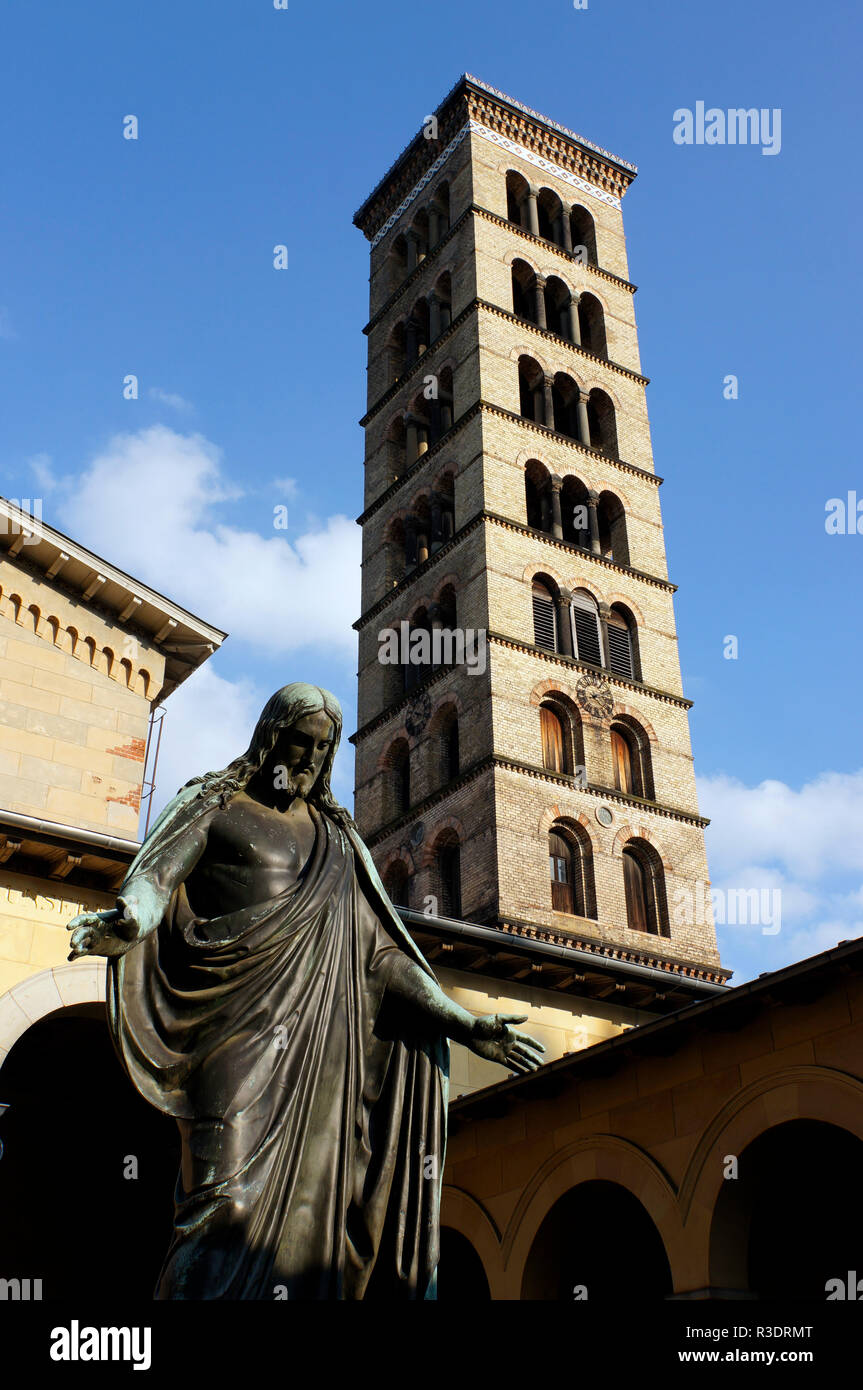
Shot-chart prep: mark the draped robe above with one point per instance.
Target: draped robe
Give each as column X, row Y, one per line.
column 311, row 1104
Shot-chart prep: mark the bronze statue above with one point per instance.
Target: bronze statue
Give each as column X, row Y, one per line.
column 264, row 991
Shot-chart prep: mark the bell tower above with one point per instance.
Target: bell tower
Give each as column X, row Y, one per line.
column 524, row 777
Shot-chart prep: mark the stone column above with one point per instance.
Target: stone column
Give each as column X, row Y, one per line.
column 410, row 542
column 436, row 522
column 411, row 341
column 532, row 212
column 445, row 316
column 574, row 325
column 539, row 302
column 583, row 422
column 417, row 438
column 567, row 231
column 593, row 520
column 604, row 614
column 548, row 385
column 434, row 318
column 555, row 484
column 434, row 228
column 564, row 625
column 445, row 404
column 413, row 249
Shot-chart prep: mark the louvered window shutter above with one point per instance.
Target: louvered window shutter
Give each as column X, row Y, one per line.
column 620, row 648
column 586, row 622
column 544, row 624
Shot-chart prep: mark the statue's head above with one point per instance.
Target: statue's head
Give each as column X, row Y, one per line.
column 296, row 738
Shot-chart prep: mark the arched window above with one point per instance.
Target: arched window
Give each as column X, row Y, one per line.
column 553, row 740
column 396, row 884
column 443, row 731
column 601, row 422
column 550, row 215
column 537, row 496
column 583, row 235
column 565, row 398
column 630, row 752
column 400, row 779
column 613, row 541
column 575, row 512
column 531, row 386
column 516, row 193
column 644, row 885
column 449, row 878
column 557, row 302
column 624, row 770
column 450, row 750
column 587, row 637
column 544, row 617
column 571, row 870
column 523, row 294
column 592, row 325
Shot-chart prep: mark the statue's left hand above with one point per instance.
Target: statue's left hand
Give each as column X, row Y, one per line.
column 495, row 1039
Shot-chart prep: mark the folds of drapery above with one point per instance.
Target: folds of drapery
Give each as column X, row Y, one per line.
column 312, row 1114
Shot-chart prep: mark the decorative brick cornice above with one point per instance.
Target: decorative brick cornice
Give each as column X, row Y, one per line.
column 394, row 710
column 579, row 448
column 417, row 467
column 474, row 306
column 571, row 664
column 477, row 408
column 542, row 774
column 579, row 550
column 476, row 209
column 433, row 799
column 514, row 926
column 404, row 585
column 563, row 342
column 417, row 273
column 545, row 245
column 474, row 108
column 416, row 367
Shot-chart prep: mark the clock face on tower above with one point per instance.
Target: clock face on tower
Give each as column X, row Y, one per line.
column 595, row 697
column 418, row 713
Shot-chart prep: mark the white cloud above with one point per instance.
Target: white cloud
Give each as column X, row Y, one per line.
column 288, row 487
column 43, row 469
column 807, row 844
column 150, row 502
column 208, row 721
column 811, row 832
column 6, row 329
column 171, row 398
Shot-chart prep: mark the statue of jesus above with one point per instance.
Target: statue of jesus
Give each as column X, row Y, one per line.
column 263, row 990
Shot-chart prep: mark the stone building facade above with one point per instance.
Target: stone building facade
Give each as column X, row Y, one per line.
column 86, row 655
column 523, row 759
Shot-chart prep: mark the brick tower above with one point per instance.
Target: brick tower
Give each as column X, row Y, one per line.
column 524, row 776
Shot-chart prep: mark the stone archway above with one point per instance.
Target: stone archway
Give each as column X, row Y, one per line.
column 89, row 1168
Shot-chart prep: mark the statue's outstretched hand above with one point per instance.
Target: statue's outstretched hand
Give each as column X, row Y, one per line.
column 103, row 933
column 494, row 1039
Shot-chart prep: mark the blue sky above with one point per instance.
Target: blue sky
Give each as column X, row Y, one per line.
column 259, row 127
